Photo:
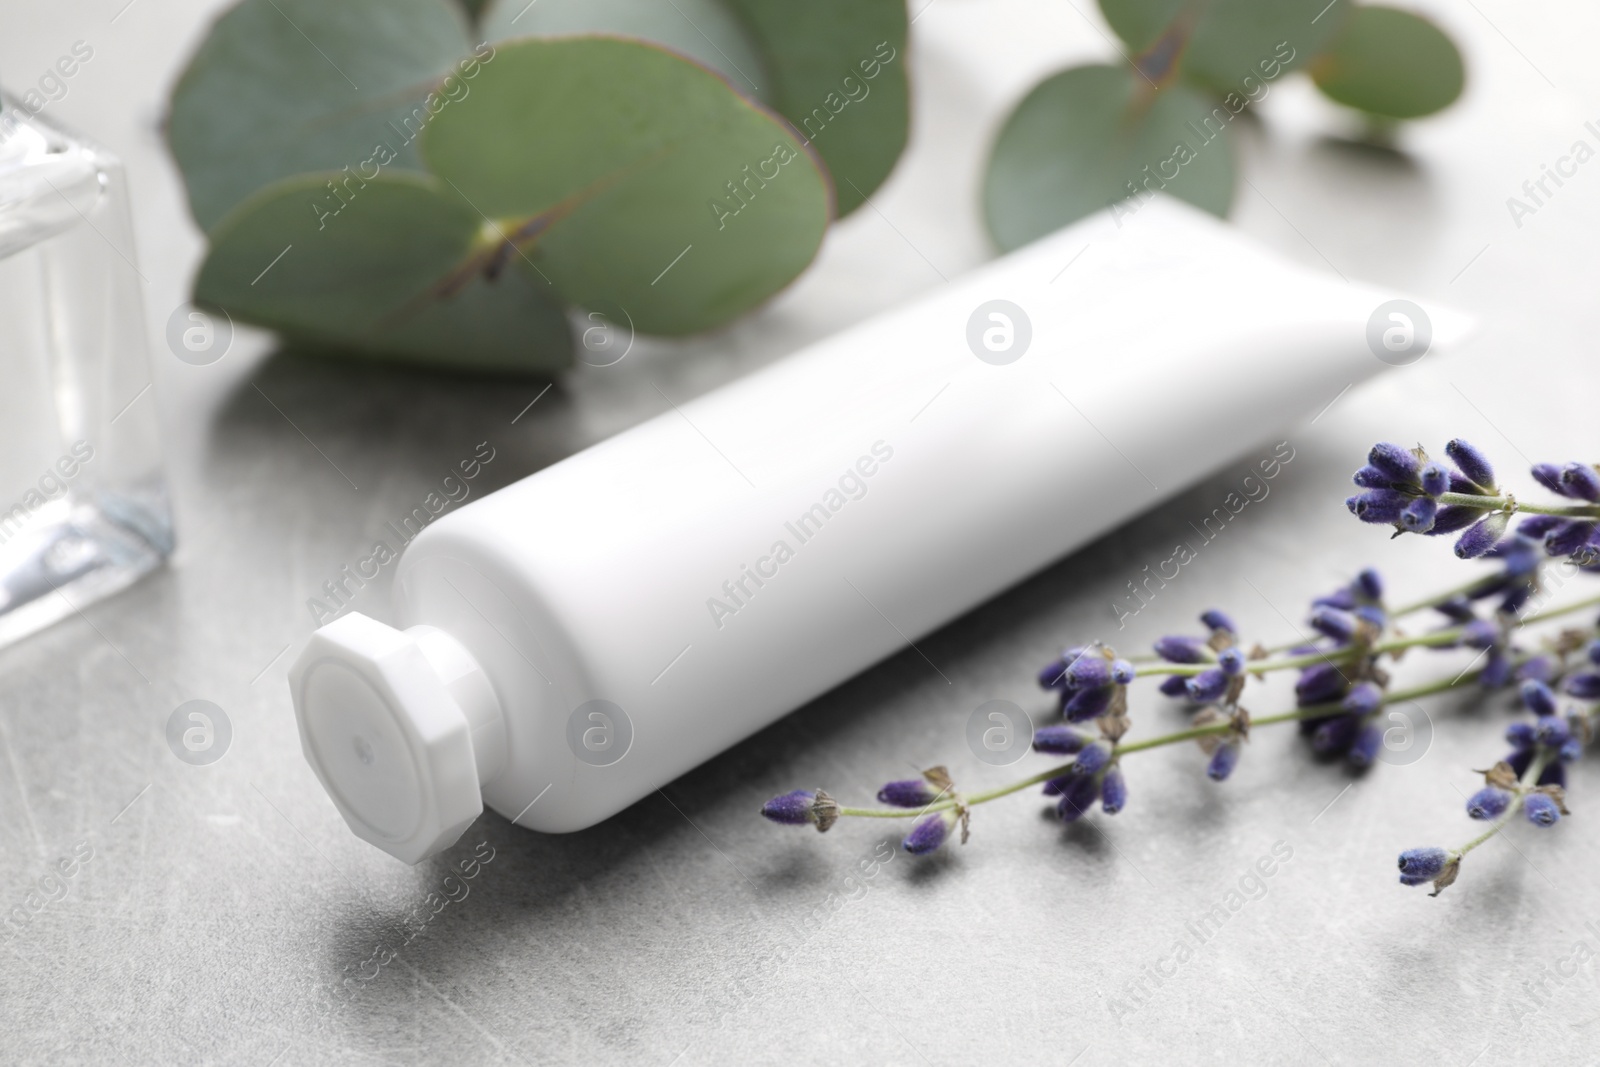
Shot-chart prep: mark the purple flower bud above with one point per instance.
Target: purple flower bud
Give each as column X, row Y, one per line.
column 1092, row 759
column 1540, row 809
column 1223, row 760
column 1122, row 672
column 1481, row 537
column 908, row 793
column 1418, row 515
column 1363, row 699
column 1339, row 598
column 1059, row 740
column 1335, row 736
column 1216, row 620
column 1176, row 649
column 1370, row 477
column 1370, row 584
column 1339, row 625
column 1414, row 879
column 1231, row 660
column 1552, row 730
column 1453, row 517
column 1373, row 614
column 1520, row 735
column 1054, row 787
column 1554, row 774
column 1571, row 750
column 1208, row 685
column 1425, row 863
column 1568, row 537
column 929, row 833
column 1580, row 480
column 1480, row 633
column 794, row 808
column 1077, row 798
column 1489, row 802
column 1399, row 463
column 1549, row 476
column 1538, row 698
column 1086, row 704
column 1174, row 685
column 1378, row 505
column 1435, row 479
column 1457, row 608
column 1496, row 671
column 1053, row 676
column 1319, row 683
column 1536, row 526
column 1470, row 462
column 1367, row 745
column 1585, row 685
column 1113, row 792
column 1519, row 761
column 1089, row 671
column 1592, row 650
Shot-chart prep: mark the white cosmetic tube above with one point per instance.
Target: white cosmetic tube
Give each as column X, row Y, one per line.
column 578, row 639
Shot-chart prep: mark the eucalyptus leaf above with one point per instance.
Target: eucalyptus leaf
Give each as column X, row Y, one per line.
column 1390, row 63
column 688, row 205
column 282, row 87
column 1222, row 43
column 391, row 273
column 1090, row 137
column 837, row 70
column 704, row 30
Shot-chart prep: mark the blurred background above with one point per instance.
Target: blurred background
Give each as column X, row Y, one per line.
column 222, row 900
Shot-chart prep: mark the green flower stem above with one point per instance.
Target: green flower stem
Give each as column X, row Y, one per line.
column 1497, row 503
column 1529, row 776
column 1447, row 636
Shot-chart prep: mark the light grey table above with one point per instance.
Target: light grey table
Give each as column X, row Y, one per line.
column 221, row 902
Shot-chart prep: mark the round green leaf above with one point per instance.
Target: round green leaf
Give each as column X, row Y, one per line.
column 837, row 71
column 834, row 68
column 703, row 30
column 281, row 87
column 687, row 206
column 1225, row 42
column 1390, row 63
column 1092, row 136
column 390, row 267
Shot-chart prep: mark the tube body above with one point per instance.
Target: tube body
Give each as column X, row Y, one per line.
column 724, row 563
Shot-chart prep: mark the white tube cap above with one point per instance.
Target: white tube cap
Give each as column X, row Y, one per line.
column 403, row 729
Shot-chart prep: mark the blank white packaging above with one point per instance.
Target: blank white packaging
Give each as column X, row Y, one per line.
column 589, row 633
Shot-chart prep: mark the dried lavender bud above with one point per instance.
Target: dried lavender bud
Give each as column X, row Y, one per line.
column 1418, row 515
column 928, row 834
column 1538, row 668
column 1552, row 730
column 1368, row 743
column 1571, row 750
column 1585, row 685
column 1092, row 759
column 1592, row 651
column 1424, row 863
column 1175, row 685
column 1223, row 760
column 1320, row 683
column 1378, row 505
column 1521, row 736
column 1339, row 625
column 1216, row 620
column 1335, row 736
column 1370, row 477
column 1496, row 671
column 1339, row 598
column 801, row 807
column 1363, row 699
column 1480, row 633
column 1549, row 476
column 1554, row 774
column 1580, row 480
column 1089, row 671
column 908, row 793
column 1540, row 809
column 1481, row 537
column 1077, row 798
column 1470, row 462
column 1568, row 537
column 1231, row 661
column 1536, row 526
column 1435, row 479
column 1086, row 704
column 1208, row 685
column 1453, row 517
column 1060, row 740
column 1488, row 803
column 1113, row 792
column 1397, row 462
column 1538, row 698
column 1458, row 609
column 1122, row 672
column 1369, row 583
column 1179, row 649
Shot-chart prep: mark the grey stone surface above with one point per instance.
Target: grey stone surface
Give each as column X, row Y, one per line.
column 224, row 903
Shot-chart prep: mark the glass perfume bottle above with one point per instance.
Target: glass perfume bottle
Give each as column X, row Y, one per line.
column 83, row 504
